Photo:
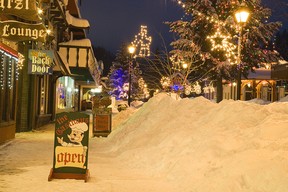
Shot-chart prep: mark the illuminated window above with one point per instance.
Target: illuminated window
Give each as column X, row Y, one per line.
column 8, row 77
column 65, row 93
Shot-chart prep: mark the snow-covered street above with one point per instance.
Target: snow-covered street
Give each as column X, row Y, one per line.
column 188, row 145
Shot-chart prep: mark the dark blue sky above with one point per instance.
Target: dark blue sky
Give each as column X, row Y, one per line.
column 116, row 21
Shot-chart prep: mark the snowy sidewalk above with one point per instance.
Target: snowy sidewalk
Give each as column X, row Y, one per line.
column 26, row 162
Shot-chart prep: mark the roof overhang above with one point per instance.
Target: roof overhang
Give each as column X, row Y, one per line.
column 280, row 72
column 61, row 64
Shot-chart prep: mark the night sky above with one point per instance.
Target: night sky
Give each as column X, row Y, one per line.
column 114, row 22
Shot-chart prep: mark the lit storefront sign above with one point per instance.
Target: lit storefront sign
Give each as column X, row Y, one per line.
column 40, row 62
column 25, row 9
column 19, row 31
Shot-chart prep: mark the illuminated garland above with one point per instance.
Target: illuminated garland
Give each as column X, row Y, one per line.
column 142, row 42
column 10, row 76
column 10, row 69
column 2, row 81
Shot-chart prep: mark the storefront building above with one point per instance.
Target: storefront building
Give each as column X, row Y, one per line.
column 50, row 80
column 9, row 73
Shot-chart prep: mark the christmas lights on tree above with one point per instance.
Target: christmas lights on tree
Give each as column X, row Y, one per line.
column 221, row 42
column 211, row 25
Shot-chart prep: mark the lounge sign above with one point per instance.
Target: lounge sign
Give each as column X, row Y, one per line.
column 70, row 146
column 19, row 31
column 25, row 9
column 40, row 62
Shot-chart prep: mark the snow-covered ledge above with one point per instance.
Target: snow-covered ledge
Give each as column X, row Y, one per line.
column 81, row 55
column 77, row 22
column 80, row 43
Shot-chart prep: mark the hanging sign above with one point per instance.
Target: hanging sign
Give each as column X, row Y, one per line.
column 24, row 9
column 40, row 62
column 70, row 146
column 19, row 31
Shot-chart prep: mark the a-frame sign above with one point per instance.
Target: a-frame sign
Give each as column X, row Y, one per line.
column 71, row 138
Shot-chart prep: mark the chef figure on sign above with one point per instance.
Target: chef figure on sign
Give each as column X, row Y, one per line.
column 76, row 136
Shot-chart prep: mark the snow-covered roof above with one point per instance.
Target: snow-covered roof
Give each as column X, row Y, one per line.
column 260, row 74
column 76, row 22
column 281, row 62
column 80, row 43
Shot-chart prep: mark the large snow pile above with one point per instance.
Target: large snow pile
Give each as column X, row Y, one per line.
column 259, row 101
column 284, row 99
column 197, row 145
column 188, row 145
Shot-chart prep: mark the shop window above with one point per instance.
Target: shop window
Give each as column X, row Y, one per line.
column 65, row 93
column 8, row 77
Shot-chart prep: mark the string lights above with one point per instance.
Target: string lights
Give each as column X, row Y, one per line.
column 10, row 77
column 143, row 87
column 12, row 60
column 142, row 42
column 2, row 68
column 177, row 62
column 221, row 42
column 165, row 82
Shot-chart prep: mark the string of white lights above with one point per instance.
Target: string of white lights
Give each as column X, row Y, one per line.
column 2, row 68
column 142, row 42
column 10, row 77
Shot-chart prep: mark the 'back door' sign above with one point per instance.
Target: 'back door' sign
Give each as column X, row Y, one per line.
column 71, row 146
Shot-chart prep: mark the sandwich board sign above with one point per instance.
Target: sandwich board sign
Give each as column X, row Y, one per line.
column 71, row 137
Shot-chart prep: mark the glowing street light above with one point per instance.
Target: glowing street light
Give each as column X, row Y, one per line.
column 241, row 15
column 131, row 50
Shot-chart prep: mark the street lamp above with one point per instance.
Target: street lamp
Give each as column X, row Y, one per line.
column 131, row 50
column 241, row 16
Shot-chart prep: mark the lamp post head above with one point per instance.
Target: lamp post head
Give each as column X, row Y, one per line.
column 242, row 14
column 131, row 49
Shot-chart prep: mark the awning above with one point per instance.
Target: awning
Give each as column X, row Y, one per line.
column 8, row 49
column 61, row 64
column 81, row 74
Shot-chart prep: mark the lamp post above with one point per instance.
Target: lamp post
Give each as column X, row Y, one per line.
column 131, row 50
column 241, row 16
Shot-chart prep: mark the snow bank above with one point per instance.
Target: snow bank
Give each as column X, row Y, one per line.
column 198, row 145
column 187, row 145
